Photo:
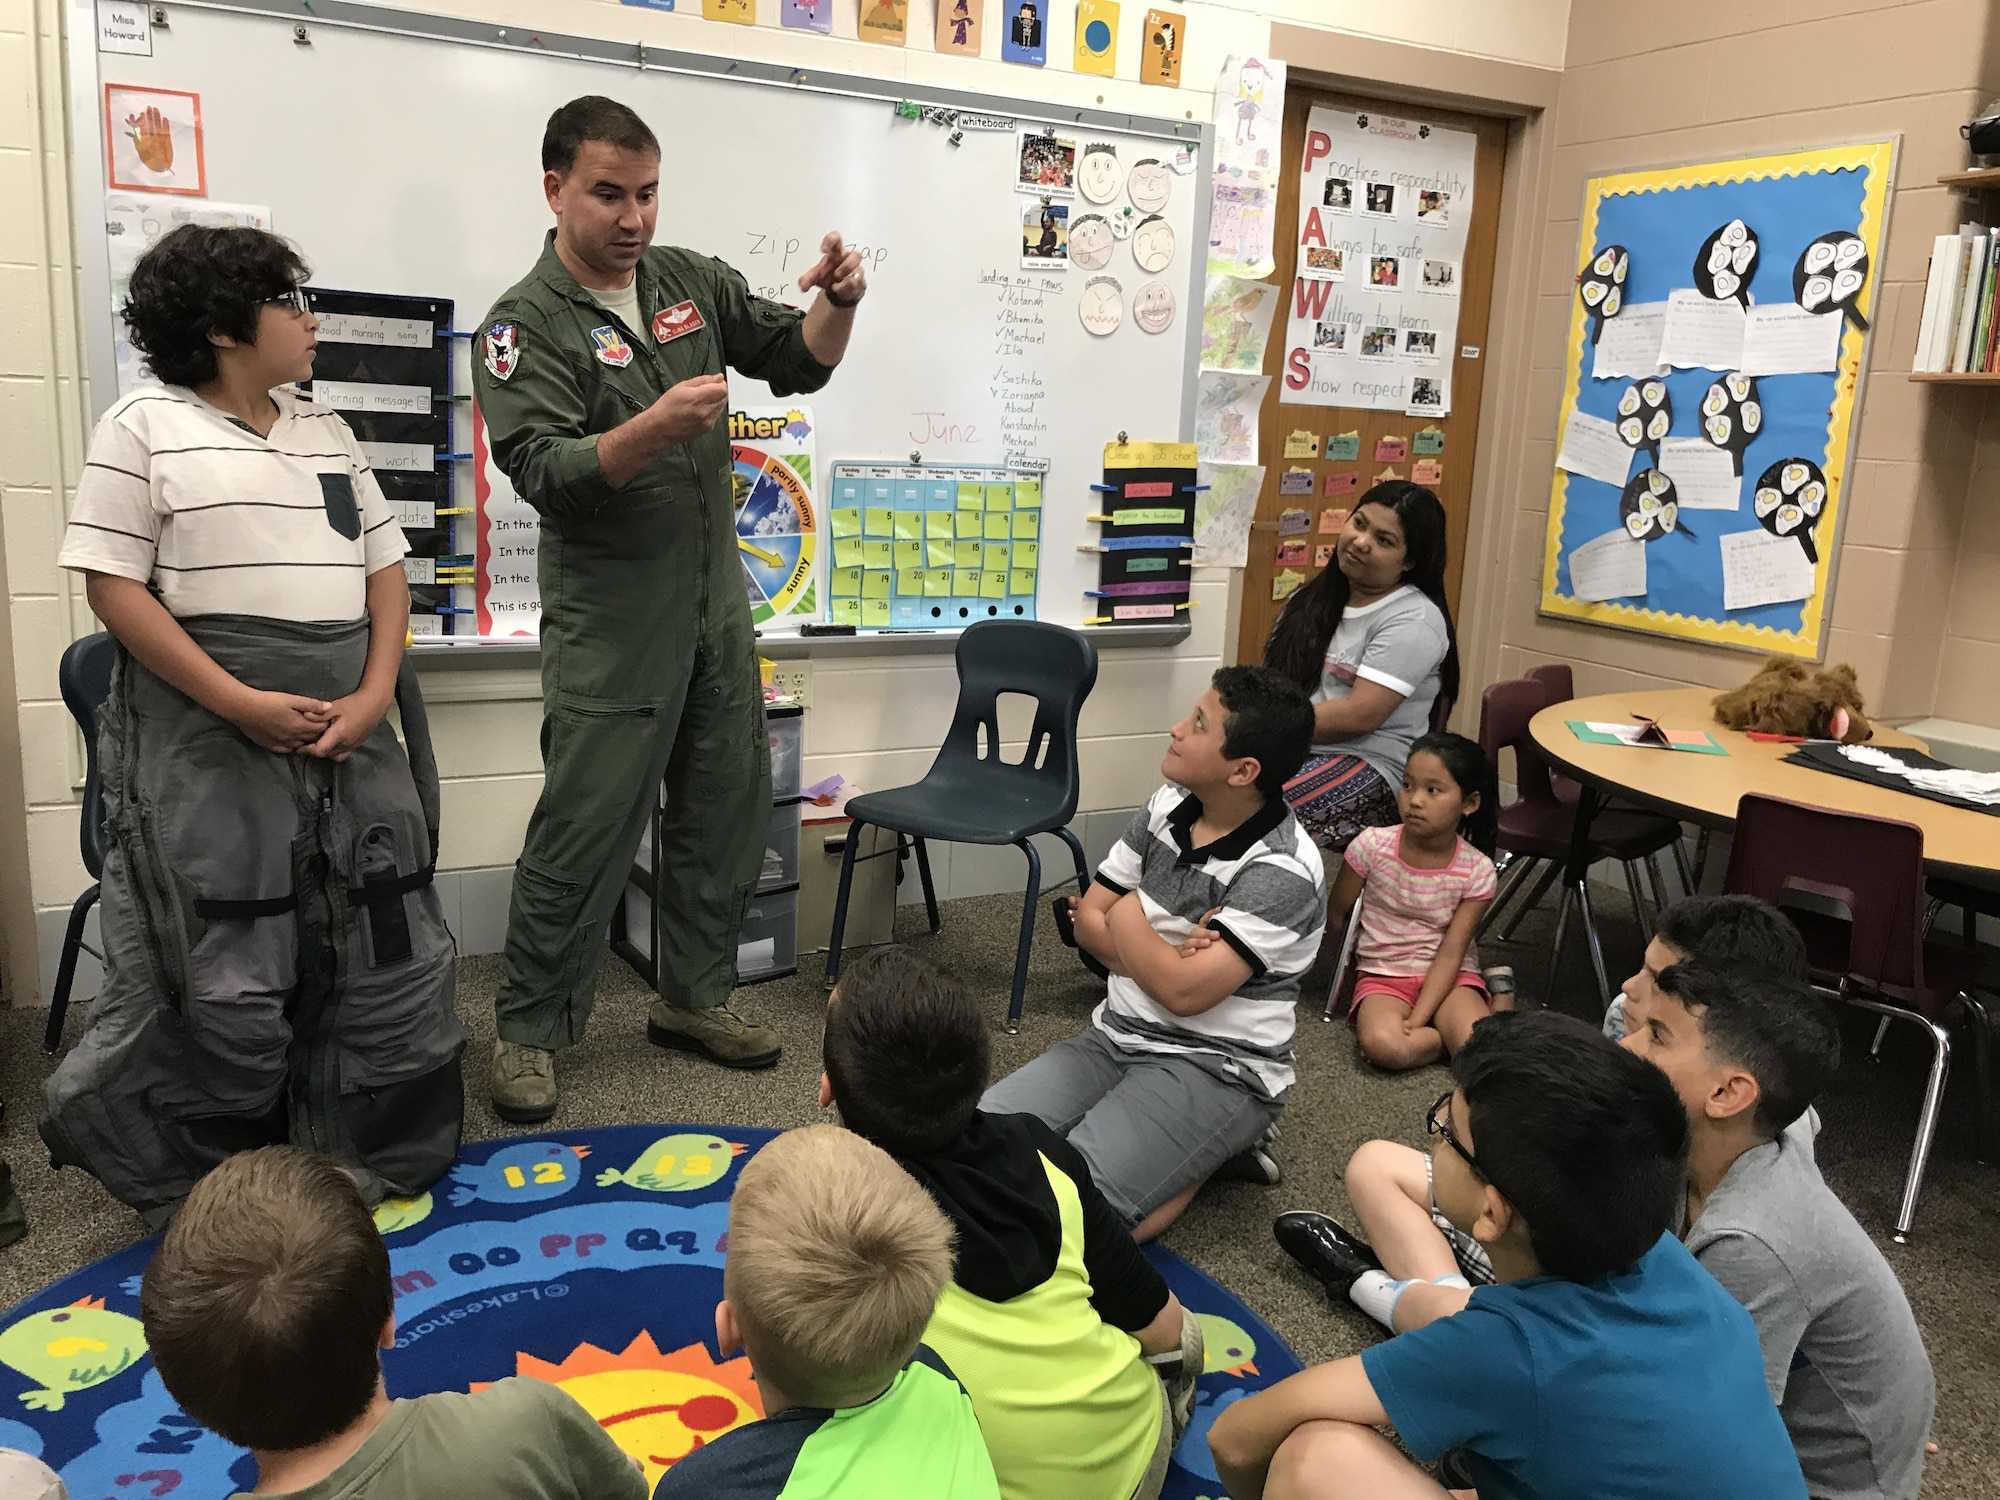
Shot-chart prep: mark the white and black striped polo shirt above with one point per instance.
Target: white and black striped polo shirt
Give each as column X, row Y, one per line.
column 1269, row 881
column 181, row 496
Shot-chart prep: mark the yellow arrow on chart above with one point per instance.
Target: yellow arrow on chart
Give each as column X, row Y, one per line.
column 763, row 555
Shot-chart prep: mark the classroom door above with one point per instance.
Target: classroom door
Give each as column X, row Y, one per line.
column 1468, row 364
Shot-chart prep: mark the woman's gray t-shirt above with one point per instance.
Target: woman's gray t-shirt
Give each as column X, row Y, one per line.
column 1400, row 642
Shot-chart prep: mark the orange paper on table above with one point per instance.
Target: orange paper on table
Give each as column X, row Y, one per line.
column 1164, row 38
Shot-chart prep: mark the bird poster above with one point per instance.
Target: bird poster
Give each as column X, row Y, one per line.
column 154, row 140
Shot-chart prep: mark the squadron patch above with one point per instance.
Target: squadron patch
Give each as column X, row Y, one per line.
column 610, row 347
column 501, row 346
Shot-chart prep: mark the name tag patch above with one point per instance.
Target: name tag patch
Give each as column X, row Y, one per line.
column 610, row 347
column 673, row 322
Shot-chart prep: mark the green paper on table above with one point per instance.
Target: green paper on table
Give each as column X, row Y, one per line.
column 847, row 552
column 846, row 583
column 909, row 525
column 937, row 525
column 875, row 584
column 1645, row 735
column 875, row 612
column 847, row 521
column 847, row 611
column 909, row 554
column 878, row 520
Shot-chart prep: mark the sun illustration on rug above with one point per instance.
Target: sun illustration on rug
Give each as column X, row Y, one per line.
column 659, row 1407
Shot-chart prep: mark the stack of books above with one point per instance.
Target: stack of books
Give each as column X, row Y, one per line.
column 1960, row 331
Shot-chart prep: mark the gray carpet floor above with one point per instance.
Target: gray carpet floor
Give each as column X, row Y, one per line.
column 1951, row 1270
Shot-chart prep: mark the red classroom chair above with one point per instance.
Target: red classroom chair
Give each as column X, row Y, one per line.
column 1877, row 958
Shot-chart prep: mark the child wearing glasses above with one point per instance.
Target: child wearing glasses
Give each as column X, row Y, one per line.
column 267, row 908
column 1603, row 1358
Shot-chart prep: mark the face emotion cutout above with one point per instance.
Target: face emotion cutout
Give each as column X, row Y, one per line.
column 1102, row 306
column 1153, row 307
column 1091, row 242
column 1149, row 185
column 1097, row 175
column 1153, row 244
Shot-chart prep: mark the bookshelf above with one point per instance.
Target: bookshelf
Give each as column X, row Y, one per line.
column 1975, row 180
column 1948, row 377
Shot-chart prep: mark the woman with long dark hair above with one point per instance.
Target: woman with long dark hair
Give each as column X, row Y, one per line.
column 1372, row 640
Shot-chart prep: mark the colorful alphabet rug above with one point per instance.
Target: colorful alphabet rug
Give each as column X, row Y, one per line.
column 592, row 1259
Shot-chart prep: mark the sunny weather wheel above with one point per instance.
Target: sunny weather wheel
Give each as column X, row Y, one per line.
column 777, row 530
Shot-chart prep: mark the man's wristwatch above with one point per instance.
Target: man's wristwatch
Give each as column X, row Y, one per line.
column 845, row 304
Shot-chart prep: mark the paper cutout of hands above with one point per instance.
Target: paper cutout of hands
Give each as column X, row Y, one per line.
column 153, row 138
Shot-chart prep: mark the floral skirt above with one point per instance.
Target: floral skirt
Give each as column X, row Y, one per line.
column 1336, row 796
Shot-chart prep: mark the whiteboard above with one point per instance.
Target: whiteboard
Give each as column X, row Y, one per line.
column 401, row 153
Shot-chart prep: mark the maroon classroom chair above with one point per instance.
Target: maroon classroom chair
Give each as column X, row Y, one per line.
column 1557, row 678
column 1535, row 829
column 1877, row 958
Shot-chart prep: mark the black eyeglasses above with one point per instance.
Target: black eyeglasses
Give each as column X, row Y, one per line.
column 295, row 300
column 1438, row 1122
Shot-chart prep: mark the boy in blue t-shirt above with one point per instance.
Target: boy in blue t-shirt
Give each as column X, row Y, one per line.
column 1603, row 1359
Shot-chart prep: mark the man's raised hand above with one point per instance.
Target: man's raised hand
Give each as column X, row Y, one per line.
column 837, row 271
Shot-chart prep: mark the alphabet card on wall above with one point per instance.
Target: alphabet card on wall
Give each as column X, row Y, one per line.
column 1025, row 39
column 1097, row 37
column 1743, row 411
column 958, row 26
column 1165, row 36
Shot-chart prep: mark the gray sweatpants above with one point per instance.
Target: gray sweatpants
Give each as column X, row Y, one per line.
column 1149, row 1124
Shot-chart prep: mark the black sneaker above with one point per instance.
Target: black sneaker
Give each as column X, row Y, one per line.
column 1257, row 1165
column 1324, row 1250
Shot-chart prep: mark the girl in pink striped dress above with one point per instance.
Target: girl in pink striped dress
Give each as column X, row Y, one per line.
column 1417, row 991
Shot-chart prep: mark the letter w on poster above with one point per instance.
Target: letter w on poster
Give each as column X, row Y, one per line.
column 1396, row 196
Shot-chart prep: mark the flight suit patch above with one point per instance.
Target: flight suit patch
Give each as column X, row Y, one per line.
column 501, row 345
column 673, row 322
column 610, row 347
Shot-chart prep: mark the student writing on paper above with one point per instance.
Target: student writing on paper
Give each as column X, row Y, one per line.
column 238, row 547
column 601, row 374
column 1372, row 641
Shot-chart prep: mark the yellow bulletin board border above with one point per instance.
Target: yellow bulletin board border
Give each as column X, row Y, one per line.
column 1878, row 160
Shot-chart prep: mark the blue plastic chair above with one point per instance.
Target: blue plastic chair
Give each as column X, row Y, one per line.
column 970, row 795
column 85, row 676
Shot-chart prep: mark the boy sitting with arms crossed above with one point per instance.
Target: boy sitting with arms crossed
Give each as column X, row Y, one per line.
column 1187, row 1060
column 1603, row 1360
column 1747, row 1051
column 264, row 1309
column 1052, row 1312
column 836, row 1259
column 1408, row 1264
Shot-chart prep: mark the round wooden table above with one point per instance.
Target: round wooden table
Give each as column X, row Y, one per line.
column 1704, row 789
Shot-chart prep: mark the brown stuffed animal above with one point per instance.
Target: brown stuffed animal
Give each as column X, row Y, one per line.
column 1789, row 697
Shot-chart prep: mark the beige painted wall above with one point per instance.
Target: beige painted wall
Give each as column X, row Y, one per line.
column 1645, row 85
column 875, row 721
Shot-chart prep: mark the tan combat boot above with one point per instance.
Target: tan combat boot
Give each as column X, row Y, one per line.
column 716, row 1033
column 523, row 1084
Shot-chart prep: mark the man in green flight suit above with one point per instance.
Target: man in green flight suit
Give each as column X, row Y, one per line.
column 600, row 378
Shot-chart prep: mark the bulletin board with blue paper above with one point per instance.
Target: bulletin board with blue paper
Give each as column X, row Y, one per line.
column 1716, row 346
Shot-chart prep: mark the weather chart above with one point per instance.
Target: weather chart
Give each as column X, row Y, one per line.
column 589, row 1259
column 777, row 525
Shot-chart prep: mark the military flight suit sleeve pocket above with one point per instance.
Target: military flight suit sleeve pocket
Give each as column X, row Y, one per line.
column 343, row 512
